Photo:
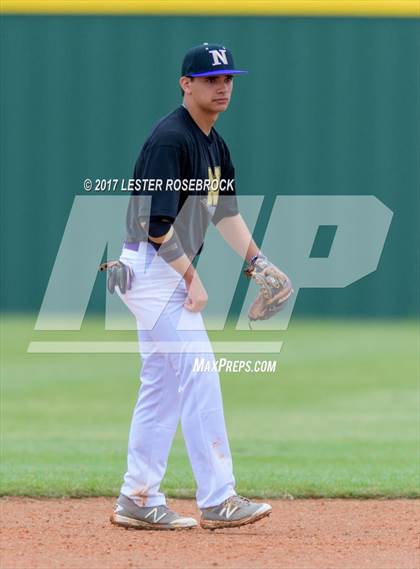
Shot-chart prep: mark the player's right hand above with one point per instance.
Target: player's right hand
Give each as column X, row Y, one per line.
column 197, row 296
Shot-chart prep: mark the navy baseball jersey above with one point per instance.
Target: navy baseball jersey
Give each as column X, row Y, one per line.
column 181, row 167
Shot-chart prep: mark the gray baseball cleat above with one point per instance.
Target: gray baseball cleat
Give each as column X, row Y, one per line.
column 127, row 514
column 234, row 512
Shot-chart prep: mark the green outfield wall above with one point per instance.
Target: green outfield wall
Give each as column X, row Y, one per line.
column 330, row 107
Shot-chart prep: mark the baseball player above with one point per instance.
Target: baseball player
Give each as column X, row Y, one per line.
column 156, row 279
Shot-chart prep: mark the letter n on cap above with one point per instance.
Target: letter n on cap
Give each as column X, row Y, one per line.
column 219, row 56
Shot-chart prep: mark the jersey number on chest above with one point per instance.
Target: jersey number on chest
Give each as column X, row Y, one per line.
column 214, row 177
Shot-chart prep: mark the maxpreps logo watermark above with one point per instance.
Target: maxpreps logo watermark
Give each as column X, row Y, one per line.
column 95, row 226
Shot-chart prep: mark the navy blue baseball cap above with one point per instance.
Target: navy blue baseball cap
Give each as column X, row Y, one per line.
column 209, row 59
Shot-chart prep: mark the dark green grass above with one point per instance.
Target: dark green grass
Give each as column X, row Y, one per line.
column 338, row 418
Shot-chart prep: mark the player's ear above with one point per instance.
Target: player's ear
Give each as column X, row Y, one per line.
column 184, row 83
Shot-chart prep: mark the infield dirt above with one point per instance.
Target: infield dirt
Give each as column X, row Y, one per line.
column 300, row 534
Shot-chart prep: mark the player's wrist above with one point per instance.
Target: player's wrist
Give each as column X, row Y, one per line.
column 189, row 274
column 253, row 259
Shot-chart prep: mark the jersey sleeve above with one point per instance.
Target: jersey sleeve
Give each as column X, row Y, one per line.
column 227, row 205
column 161, row 162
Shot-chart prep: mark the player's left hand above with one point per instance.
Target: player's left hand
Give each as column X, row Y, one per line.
column 275, row 288
column 119, row 274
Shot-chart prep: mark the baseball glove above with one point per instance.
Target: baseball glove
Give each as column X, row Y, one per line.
column 119, row 275
column 275, row 288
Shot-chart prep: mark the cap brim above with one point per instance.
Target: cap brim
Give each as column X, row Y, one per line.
column 219, row 72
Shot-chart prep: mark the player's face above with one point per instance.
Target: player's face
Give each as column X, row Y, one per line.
column 212, row 93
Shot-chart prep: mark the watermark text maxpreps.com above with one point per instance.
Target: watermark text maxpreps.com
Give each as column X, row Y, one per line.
column 202, row 364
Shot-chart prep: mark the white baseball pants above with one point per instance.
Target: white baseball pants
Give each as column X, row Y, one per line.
column 171, row 389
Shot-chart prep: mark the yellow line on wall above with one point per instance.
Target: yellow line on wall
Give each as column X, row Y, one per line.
column 368, row 8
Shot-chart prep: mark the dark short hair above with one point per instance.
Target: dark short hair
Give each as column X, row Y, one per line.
column 189, row 77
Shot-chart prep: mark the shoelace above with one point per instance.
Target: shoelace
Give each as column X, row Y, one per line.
column 237, row 500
